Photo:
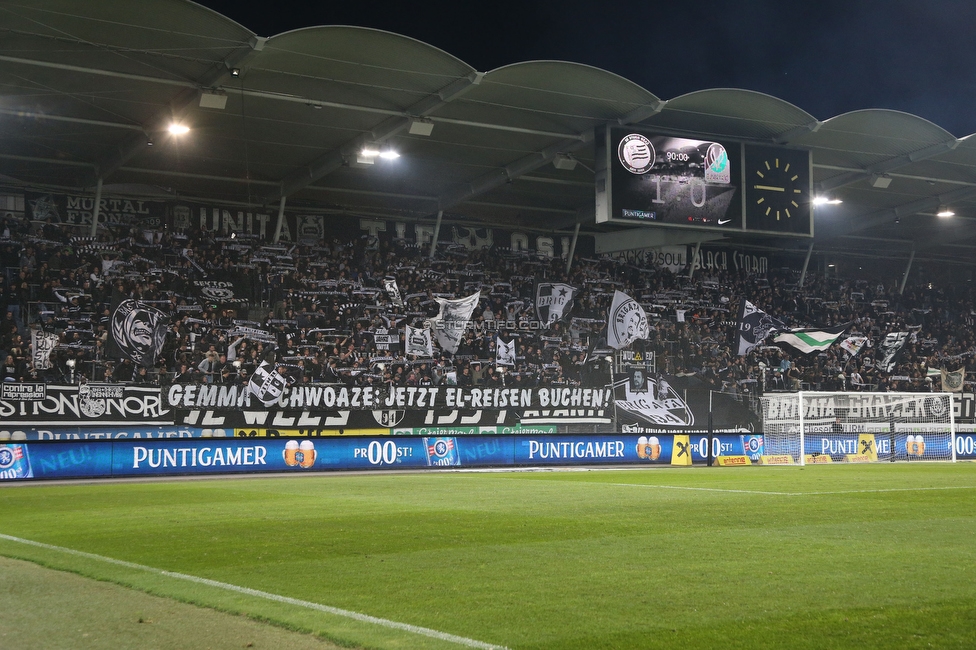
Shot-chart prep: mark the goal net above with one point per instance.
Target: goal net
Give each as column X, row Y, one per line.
column 822, row 427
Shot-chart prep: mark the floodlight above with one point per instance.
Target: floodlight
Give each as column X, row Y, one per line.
column 880, row 181
column 213, row 99
column 564, row 161
column 944, row 211
column 421, row 126
column 823, row 200
column 389, row 154
column 178, row 129
column 362, row 160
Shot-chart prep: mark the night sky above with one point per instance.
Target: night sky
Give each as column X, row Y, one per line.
column 827, row 57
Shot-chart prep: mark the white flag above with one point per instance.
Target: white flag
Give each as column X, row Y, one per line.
column 504, row 352
column 449, row 325
column 953, row 381
column 393, row 291
column 627, row 321
column 43, row 344
column 853, row 344
column 417, row 341
column 553, row 301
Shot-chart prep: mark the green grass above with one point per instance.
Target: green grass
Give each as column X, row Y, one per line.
column 54, row 610
column 603, row 559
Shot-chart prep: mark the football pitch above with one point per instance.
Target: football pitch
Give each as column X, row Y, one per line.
column 845, row 556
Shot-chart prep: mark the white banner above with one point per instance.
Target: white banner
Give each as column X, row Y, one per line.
column 43, row 344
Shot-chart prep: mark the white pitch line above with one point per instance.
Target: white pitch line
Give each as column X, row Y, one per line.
column 909, row 489
column 703, row 489
column 366, row 618
column 792, row 494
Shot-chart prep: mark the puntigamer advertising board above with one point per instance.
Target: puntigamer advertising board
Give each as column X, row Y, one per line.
column 162, row 457
column 135, row 457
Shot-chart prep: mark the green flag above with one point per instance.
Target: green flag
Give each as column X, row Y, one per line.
column 811, row 340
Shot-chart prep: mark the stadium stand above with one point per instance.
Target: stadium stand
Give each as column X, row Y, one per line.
column 325, row 307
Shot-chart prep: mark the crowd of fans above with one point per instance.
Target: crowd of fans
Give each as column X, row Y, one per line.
column 324, row 308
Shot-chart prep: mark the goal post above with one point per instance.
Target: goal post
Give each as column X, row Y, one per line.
column 838, row 427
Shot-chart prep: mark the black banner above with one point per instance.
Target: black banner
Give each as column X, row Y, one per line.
column 78, row 210
column 102, row 403
column 340, row 420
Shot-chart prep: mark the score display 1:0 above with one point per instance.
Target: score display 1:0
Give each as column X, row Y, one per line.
column 679, row 181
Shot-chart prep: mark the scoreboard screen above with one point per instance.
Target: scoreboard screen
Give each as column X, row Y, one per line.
column 718, row 185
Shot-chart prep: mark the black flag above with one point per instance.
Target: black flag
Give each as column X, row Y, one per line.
column 136, row 332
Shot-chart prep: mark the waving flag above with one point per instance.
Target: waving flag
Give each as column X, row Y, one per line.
column 953, row 381
column 417, row 341
column 504, row 352
column 755, row 326
column 553, row 301
column 393, row 291
column 267, row 384
column 627, row 321
column 449, row 324
column 853, row 344
column 891, row 348
column 810, row 340
column 137, row 332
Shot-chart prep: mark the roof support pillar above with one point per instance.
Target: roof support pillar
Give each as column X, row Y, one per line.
column 572, row 248
column 806, row 263
column 97, row 208
column 437, row 233
column 281, row 218
column 904, row 278
column 694, row 261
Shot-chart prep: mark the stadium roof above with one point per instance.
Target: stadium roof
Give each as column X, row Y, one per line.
column 87, row 91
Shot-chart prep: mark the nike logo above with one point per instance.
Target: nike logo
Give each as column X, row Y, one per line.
column 722, row 223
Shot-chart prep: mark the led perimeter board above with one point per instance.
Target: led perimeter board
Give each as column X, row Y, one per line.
column 706, row 184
